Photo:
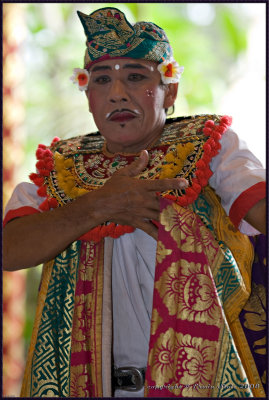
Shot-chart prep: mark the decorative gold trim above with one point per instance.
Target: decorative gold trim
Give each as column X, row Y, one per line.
column 247, row 359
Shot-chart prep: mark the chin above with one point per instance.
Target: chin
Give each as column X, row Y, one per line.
column 122, row 136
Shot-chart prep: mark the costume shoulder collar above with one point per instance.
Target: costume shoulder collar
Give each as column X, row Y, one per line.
column 185, row 149
column 174, row 128
column 185, row 128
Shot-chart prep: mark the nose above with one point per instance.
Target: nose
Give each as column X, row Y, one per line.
column 117, row 92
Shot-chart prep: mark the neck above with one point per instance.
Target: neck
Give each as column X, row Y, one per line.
column 133, row 148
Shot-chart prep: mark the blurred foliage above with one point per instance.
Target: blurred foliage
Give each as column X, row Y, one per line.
column 207, row 38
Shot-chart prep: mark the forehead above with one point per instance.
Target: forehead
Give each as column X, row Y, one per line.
column 124, row 63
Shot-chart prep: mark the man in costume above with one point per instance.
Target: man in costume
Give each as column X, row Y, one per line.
column 146, row 271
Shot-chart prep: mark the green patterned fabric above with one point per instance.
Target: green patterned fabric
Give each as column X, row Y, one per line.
column 110, row 35
column 228, row 278
column 50, row 370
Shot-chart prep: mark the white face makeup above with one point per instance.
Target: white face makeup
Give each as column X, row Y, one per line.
column 128, row 103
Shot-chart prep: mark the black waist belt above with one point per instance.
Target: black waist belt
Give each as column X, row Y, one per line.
column 131, row 379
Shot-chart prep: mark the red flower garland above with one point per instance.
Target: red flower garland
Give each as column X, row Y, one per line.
column 202, row 174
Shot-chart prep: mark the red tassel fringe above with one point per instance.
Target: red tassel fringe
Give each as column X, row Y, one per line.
column 100, row 232
column 203, row 173
column 44, row 166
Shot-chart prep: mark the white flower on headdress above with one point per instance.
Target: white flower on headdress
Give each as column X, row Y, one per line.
column 170, row 71
column 81, row 78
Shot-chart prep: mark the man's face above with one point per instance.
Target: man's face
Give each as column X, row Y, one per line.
column 127, row 102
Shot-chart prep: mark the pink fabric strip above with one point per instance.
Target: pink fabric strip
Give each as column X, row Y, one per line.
column 83, row 357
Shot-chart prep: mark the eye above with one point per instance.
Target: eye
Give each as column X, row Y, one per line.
column 135, row 77
column 102, row 79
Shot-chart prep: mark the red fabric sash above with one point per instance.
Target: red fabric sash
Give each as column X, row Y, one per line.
column 187, row 320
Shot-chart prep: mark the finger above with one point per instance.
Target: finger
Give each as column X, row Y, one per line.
column 139, row 205
column 136, row 166
column 153, row 204
column 148, row 214
column 135, row 214
column 149, row 228
column 161, row 185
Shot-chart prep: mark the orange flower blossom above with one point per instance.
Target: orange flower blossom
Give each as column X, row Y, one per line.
column 81, row 78
column 170, row 71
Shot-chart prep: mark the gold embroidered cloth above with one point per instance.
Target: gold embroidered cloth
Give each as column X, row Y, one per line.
column 191, row 351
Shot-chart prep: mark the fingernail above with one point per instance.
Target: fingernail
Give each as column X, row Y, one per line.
column 183, row 183
column 143, row 152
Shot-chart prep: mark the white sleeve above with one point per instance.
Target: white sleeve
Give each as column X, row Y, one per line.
column 235, row 169
column 24, row 195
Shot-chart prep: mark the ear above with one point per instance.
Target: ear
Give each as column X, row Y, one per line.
column 171, row 94
column 88, row 98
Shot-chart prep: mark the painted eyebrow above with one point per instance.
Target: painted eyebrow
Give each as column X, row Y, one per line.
column 101, row 67
column 107, row 67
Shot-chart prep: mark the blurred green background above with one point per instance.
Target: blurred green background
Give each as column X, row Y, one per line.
column 211, row 40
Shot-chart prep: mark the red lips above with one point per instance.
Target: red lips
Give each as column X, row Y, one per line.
column 122, row 116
